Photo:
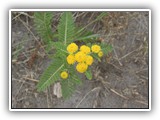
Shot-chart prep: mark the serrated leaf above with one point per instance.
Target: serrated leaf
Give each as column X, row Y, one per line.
column 50, row 75
column 88, row 74
column 60, row 50
column 66, row 28
column 106, row 48
column 60, row 46
column 42, row 23
column 69, row 85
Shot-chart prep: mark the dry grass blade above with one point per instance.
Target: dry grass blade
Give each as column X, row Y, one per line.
column 97, row 88
column 119, row 94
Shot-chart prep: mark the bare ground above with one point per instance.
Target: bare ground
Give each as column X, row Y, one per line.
column 120, row 80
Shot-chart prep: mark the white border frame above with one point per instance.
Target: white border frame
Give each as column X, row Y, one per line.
column 103, row 109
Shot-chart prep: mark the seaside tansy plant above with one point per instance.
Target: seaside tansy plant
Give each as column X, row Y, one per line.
column 76, row 49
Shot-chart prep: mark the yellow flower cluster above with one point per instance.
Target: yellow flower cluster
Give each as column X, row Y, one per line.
column 82, row 57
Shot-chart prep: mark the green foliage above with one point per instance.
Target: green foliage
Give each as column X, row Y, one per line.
column 99, row 17
column 60, row 50
column 69, row 85
column 96, row 56
column 43, row 22
column 51, row 74
column 88, row 74
column 67, row 33
column 66, row 28
column 106, row 48
column 88, row 38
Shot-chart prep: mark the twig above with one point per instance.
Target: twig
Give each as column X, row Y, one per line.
column 22, row 13
column 19, row 89
column 118, row 94
column 144, row 77
column 48, row 103
column 31, row 33
column 34, row 80
column 139, row 48
column 117, row 57
column 115, row 66
column 86, row 96
column 16, row 16
column 142, row 70
column 127, row 54
column 142, row 102
column 78, row 14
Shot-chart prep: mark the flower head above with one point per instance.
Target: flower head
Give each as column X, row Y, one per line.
column 95, row 48
column 64, row 75
column 85, row 49
column 80, row 56
column 89, row 60
column 100, row 53
column 71, row 48
column 81, row 67
column 71, row 59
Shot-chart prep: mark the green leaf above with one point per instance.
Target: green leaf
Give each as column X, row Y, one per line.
column 51, row 74
column 69, row 85
column 99, row 17
column 42, row 23
column 106, row 48
column 61, row 51
column 96, row 56
column 60, row 46
column 66, row 28
column 88, row 74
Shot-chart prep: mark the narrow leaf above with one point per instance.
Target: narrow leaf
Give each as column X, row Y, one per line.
column 99, row 17
column 96, row 56
column 88, row 37
column 88, row 74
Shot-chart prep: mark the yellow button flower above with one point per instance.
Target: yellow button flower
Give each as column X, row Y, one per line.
column 85, row 49
column 89, row 60
column 71, row 59
column 81, row 67
column 80, row 56
column 71, row 48
column 95, row 48
column 100, row 53
column 64, row 75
